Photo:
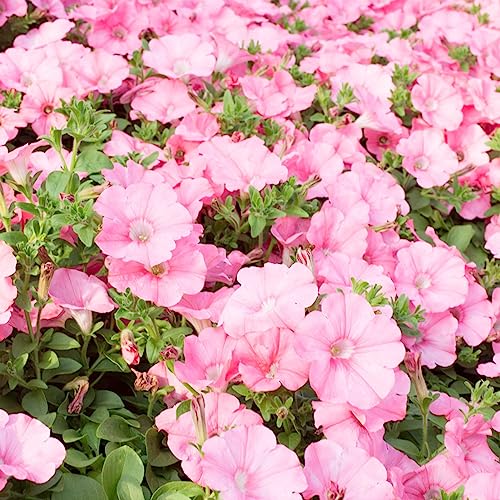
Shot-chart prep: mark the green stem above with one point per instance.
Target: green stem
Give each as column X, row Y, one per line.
column 74, row 155
column 34, row 339
column 424, row 450
column 86, row 341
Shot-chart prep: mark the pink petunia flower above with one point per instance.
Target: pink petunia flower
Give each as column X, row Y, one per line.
column 160, row 99
column 26, row 449
column 141, row 222
column 349, row 361
column 209, row 360
column 39, row 104
column 475, row 316
column 222, row 412
column 427, row 157
column 271, row 296
column 432, row 277
column 438, row 101
column 8, row 290
column 492, row 368
column 279, row 96
column 351, row 473
column 12, row 8
column 437, row 341
column 467, row 446
column 369, row 183
column 430, row 479
column 483, row 486
column 164, row 283
column 348, row 425
column 333, row 230
column 248, row 463
column 80, row 294
column 180, row 55
column 267, row 360
column 238, row 165
column 492, row 236
column 10, row 121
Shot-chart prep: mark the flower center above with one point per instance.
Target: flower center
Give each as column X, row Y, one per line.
column 141, row 231
column 422, row 163
column 433, row 494
column 240, row 478
column 383, row 140
column 423, row 281
column 158, row 270
column 431, row 104
column 48, row 108
column 335, row 492
column 342, row 349
column 119, row 33
column 268, row 305
column 272, row 371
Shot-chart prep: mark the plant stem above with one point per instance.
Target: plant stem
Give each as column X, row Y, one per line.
column 424, row 450
column 34, row 339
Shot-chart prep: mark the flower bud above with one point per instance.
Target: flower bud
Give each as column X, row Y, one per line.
column 414, row 366
column 305, row 256
column 170, row 352
column 130, row 352
column 81, row 386
column 46, row 272
column 199, row 419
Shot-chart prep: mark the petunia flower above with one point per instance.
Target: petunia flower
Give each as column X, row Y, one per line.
column 141, row 222
column 271, row 296
column 427, row 157
column 26, row 449
column 267, row 360
column 247, row 463
column 352, row 351
column 222, row 412
column 80, row 294
column 351, row 473
column 433, row 277
column 439, row 102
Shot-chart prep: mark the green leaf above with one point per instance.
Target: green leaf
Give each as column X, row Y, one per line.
column 182, row 408
column 121, row 463
column 49, row 360
column 129, row 489
column 66, row 366
column 71, row 436
column 56, row 183
column 22, row 344
column 37, row 384
column 405, row 446
column 62, row 342
column 116, row 429
column 92, row 161
column 257, row 224
column 460, row 236
column 77, row 487
column 13, row 237
column 108, row 400
column 158, row 455
column 35, row 403
column 78, row 459
column 188, row 489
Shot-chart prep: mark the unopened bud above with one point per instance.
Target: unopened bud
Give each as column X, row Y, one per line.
column 305, row 256
column 170, row 352
column 130, row 352
column 46, row 272
column 199, row 419
column 81, row 386
column 414, row 366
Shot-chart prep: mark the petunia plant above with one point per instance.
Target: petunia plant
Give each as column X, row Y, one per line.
column 249, row 250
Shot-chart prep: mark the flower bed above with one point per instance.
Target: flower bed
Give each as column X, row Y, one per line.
column 248, row 249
